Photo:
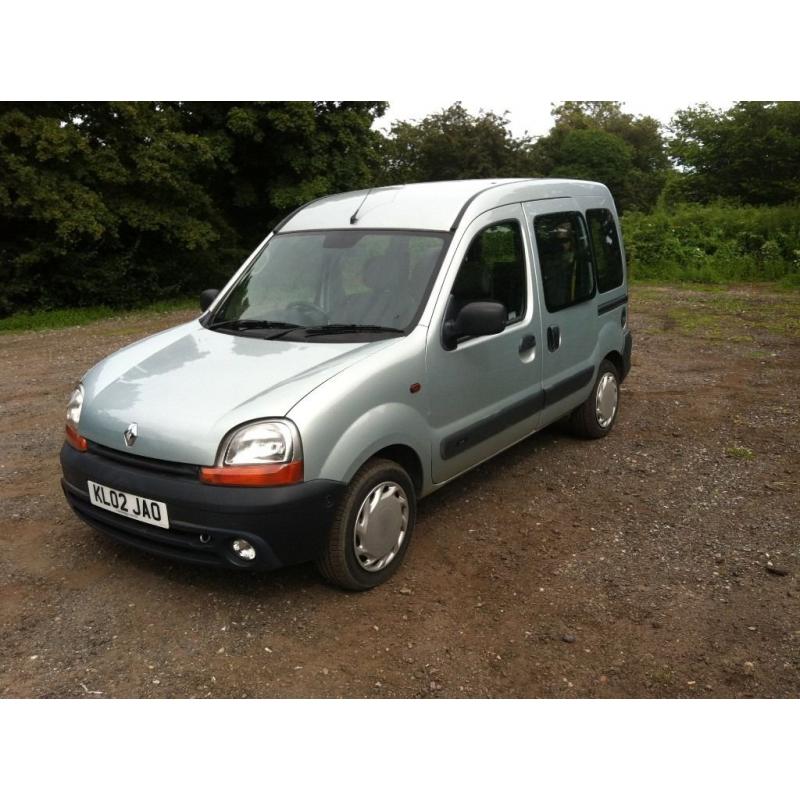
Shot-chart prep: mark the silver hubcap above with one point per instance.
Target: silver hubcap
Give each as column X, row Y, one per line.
column 605, row 404
column 381, row 526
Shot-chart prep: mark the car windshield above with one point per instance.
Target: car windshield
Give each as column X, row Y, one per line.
column 333, row 281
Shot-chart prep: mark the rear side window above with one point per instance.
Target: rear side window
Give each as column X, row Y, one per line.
column 607, row 252
column 565, row 258
column 494, row 269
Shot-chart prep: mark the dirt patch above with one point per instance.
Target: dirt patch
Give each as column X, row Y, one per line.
column 640, row 565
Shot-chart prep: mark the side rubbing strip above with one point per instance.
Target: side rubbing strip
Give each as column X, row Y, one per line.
column 612, row 304
column 462, row 440
column 569, row 385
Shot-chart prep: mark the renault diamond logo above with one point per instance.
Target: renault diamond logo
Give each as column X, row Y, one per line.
column 131, row 434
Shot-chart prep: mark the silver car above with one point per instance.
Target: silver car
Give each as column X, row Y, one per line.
column 374, row 347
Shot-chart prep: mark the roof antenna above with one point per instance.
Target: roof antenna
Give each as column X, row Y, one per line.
column 354, row 218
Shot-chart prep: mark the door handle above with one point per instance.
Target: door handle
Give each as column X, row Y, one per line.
column 553, row 338
column 528, row 343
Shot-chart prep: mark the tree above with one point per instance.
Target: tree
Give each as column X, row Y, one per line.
column 593, row 154
column 120, row 203
column 749, row 153
column 597, row 140
column 453, row 144
column 100, row 203
column 280, row 155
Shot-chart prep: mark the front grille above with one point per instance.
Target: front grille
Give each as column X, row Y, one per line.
column 140, row 462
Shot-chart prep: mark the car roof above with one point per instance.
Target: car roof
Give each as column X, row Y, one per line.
column 435, row 206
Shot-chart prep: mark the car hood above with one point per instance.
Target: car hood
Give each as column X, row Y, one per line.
column 186, row 387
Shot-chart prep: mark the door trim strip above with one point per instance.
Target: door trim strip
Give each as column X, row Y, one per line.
column 612, row 304
column 568, row 386
column 478, row 432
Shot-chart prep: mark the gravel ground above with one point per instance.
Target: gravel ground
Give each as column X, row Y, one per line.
column 662, row 561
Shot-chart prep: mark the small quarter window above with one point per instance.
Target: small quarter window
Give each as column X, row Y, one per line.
column 493, row 269
column 607, row 252
column 565, row 259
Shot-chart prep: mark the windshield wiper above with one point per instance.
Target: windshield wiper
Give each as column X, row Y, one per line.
column 323, row 330
column 251, row 325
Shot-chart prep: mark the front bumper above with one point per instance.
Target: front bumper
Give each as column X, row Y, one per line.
column 285, row 524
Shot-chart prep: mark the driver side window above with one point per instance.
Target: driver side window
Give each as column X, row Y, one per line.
column 493, row 269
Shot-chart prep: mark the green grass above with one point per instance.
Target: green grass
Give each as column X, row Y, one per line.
column 744, row 313
column 69, row 317
column 648, row 283
column 744, row 453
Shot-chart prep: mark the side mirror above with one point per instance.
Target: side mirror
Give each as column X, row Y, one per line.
column 480, row 318
column 207, row 298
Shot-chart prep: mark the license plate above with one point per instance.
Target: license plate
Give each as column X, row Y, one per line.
column 129, row 505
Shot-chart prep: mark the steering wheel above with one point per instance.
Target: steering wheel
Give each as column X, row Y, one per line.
column 319, row 315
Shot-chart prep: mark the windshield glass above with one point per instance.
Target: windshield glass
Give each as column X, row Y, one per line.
column 336, row 278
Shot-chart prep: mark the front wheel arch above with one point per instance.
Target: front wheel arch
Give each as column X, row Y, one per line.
column 339, row 562
column 408, row 459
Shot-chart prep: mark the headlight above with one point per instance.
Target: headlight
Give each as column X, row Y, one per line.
column 74, row 407
column 264, row 453
column 261, row 443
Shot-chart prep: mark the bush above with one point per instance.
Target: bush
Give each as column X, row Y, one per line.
column 715, row 243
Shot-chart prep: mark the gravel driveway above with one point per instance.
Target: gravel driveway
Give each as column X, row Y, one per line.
column 662, row 561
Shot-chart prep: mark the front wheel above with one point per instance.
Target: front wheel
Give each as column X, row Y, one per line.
column 372, row 527
column 596, row 417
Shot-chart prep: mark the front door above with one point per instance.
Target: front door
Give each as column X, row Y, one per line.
column 485, row 393
column 569, row 308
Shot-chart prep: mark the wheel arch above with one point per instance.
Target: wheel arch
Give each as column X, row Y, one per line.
column 615, row 357
column 408, row 459
column 390, row 430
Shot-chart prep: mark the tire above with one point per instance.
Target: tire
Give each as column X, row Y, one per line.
column 588, row 420
column 393, row 503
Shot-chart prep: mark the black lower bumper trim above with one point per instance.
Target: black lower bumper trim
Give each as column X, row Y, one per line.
column 285, row 524
column 626, row 356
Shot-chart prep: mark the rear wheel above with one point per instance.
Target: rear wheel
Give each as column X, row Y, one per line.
column 372, row 527
column 596, row 417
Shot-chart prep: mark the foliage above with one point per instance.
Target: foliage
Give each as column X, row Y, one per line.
column 597, row 140
column 92, row 199
column 715, row 243
column 453, row 144
column 749, row 153
column 594, row 155
column 120, row 203
column 279, row 156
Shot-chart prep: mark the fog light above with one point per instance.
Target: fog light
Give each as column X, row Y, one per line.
column 244, row 549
